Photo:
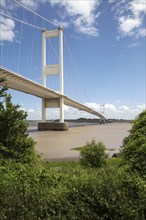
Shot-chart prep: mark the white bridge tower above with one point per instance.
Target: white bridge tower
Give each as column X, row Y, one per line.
column 53, row 69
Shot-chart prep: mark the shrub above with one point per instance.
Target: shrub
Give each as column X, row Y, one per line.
column 134, row 146
column 93, row 154
column 40, row 193
column 14, row 140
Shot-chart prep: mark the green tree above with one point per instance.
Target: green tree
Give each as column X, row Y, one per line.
column 14, row 140
column 93, row 154
column 134, row 146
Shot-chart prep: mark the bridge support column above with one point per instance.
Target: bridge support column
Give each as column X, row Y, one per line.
column 102, row 121
column 61, row 73
column 43, row 111
column 61, row 110
column 43, row 73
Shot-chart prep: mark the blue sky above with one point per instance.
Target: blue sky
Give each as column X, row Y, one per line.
column 107, row 60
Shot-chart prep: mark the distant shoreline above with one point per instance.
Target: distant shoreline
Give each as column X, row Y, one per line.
column 80, row 121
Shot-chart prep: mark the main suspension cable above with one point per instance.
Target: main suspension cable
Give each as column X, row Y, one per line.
column 51, row 22
column 24, row 22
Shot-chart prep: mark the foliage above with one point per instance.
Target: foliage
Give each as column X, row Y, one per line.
column 93, row 154
column 67, row 191
column 114, row 162
column 42, row 192
column 14, row 140
column 134, row 146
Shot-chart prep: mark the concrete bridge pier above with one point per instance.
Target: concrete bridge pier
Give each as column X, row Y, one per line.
column 56, row 126
column 52, row 126
column 102, row 120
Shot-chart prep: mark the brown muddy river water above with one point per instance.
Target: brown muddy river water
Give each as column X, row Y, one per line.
column 57, row 145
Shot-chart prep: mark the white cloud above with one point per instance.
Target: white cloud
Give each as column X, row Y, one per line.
column 10, row 5
column 33, row 114
column 135, row 44
column 82, row 7
column 2, row 3
column 7, row 29
column 111, row 1
column 128, row 24
column 82, row 14
column 110, row 107
column 30, row 111
column 29, row 3
column 118, row 101
column 138, row 7
column 125, row 108
column 141, row 107
column 123, row 111
column 114, row 111
column 7, row 25
column 64, row 24
column 141, row 33
column 82, row 26
column 32, row 4
column 131, row 17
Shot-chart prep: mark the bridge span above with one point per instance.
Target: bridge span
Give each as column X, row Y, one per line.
column 52, row 98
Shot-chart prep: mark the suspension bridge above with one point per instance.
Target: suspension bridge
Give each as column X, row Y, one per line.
column 50, row 98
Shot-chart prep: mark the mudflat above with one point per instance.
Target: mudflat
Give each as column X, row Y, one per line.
column 57, row 145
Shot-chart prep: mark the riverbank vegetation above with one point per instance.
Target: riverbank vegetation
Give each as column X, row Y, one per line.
column 97, row 187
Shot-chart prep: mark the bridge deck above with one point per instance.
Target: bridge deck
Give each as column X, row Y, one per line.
column 17, row 82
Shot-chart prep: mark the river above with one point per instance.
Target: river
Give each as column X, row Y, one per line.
column 57, row 145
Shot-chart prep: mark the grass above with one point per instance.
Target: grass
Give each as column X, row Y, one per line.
column 63, row 165
column 75, row 165
column 79, row 148
column 114, row 162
